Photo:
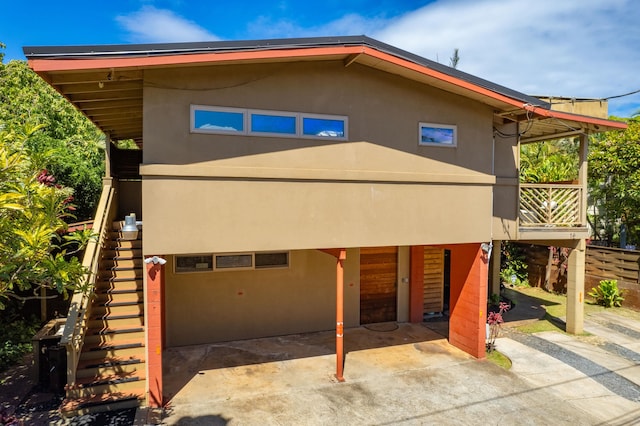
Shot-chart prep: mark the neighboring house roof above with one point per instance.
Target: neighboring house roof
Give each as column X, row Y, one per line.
column 105, row 82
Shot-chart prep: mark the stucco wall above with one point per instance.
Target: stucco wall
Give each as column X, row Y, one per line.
column 208, row 307
column 222, row 193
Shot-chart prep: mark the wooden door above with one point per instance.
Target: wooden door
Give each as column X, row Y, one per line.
column 378, row 284
column 433, row 279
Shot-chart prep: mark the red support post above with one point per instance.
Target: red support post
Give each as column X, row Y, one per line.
column 155, row 331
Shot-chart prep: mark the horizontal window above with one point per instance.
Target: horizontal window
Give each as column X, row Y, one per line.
column 231, row 261
column 275, row 124
column 218, row 121
column 437, row 134
column 199, row 263
column 323, row 127
column 222, row 120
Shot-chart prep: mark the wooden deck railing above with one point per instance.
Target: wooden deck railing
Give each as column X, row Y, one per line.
column 79, row 311
column 549, row 205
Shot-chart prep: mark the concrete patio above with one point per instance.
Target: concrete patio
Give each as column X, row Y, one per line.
column 395, row 374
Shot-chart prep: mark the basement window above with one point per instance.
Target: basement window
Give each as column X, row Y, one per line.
column 195, row 263
column 231, row 262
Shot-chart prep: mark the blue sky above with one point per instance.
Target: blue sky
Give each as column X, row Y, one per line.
column 568, row 48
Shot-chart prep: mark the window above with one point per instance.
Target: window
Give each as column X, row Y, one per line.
column 273, row 124
column 231, row 261
column 196, row 263
column 217, row 120
column 437, row 135
column 234, row 261
column 222, row 120
column 323, row 127
column 272, row 260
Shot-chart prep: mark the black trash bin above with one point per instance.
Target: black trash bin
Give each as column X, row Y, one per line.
column 50, row 359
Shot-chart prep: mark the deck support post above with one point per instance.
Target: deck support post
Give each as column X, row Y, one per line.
column 340, row 314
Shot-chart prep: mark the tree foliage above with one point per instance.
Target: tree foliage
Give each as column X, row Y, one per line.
column 551, row 161
column 35, row 250
column 69, row 146
column 614, row 181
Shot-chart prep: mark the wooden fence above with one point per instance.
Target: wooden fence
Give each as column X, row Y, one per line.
column 602, row 263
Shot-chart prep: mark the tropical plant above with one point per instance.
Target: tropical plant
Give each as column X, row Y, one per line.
column 68, row 145
column 513, row 268
column 494, row 321
column 36, row 252
column 614, row 183
column 550, row 161
column 607, row 294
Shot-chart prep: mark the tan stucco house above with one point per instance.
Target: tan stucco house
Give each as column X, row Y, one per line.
column 298, row 185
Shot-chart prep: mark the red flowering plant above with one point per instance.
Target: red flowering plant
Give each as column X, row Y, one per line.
column 494, row 321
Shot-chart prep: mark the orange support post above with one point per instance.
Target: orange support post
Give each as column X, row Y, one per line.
column 340, row 314
column 155, row 331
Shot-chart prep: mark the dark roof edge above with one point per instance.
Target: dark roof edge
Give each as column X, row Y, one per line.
column 162, row 49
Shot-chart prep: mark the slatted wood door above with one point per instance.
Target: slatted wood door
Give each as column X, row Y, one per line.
column 378, row 284
column 433, row 279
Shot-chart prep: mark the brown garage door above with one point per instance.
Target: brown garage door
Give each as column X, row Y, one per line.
column 378, row 278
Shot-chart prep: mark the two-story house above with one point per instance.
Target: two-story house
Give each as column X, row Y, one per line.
column 297, row 185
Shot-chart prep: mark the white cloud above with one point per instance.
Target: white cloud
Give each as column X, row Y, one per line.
column 582, row 49
column 548, row 47
column 152, row 25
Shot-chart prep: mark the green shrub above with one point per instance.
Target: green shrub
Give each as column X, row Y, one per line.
column 607, row 294
column 513, row 266
column 15, row 335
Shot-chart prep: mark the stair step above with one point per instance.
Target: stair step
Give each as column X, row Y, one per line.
column 99, row 355
column 117, row 311
column 116, row 321
column 118, row 263
column 101, row 403
column 121, row 253
column 121, row 296
column 120, row 274
column 117, row 385
column 103, row 371
column 118, row 285
column 127, row 244
column 110, row 362
column 104, row 346
column 114, row 337
column 117, row 236
column 101, row 381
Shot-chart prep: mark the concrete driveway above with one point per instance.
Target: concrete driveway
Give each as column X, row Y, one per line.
column 395, row 374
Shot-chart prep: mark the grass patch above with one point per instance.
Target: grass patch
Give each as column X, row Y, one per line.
column 547, row 323
column 499, row 359
column 556, row 307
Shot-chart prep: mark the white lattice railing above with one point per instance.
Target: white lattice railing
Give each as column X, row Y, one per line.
column 549, row 205
column 80, row 310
